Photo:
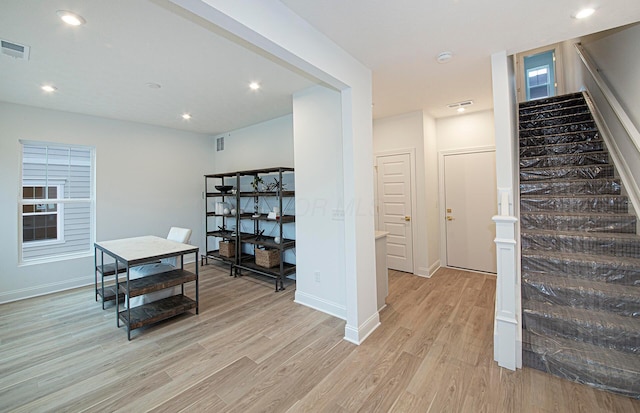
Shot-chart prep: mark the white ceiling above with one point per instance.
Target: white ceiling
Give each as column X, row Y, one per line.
column 400, row 39
column 102, row 68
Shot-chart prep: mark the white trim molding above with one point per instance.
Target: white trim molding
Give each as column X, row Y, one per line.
column 507, row 331
column 358, row 335
column 320, row 304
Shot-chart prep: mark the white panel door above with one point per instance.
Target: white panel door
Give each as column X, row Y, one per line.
column 394, row 214
column 470, row 203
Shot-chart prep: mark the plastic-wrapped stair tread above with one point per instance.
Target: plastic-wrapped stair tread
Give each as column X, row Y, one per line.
column 609, row 186
column 612, row 370
column 614, row 204
column 581, row 293
column 571, row 159
column 567, row 172
column 585, row 221
column 594, row 267
column 614, row 331
column 587, row 136
column 562, row 148
column 608, row 244
column 554, row 112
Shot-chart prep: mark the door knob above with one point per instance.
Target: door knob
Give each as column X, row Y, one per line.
column 407, row 218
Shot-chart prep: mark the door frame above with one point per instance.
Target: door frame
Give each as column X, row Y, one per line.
column 559, row 69
column 414, row 191
column 441, row 194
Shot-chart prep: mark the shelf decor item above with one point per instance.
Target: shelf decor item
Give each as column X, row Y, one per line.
column 255, row 184
column 227, row 249
column 224, row 188
column 267, row 258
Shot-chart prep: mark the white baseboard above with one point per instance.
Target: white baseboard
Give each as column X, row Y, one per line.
column 357, row 335
column 44, row 289
column 422, row 272
column 320, row 304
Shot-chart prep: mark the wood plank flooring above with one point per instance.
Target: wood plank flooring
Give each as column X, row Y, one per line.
column 253, row 350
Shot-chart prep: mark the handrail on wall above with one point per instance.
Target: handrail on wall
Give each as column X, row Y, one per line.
column 625, row 121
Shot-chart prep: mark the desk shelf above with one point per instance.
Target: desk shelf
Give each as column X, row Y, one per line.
column 106, row 292
column 151, row 313
column 157, row 282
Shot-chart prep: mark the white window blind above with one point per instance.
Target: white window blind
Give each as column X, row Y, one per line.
column 57, row 201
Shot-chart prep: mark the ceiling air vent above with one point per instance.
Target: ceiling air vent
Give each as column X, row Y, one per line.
column 15, row 50
column 460, row 104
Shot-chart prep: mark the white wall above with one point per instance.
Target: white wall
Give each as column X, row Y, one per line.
column 466, row 131
column 431, row 181
column 406, row 132
column 320, row 243
column 147, row 180
column 618, row 59
column 264, row 145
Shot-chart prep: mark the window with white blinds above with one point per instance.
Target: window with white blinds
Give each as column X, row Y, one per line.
column 57, row 201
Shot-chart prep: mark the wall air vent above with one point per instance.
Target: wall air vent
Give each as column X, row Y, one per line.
column 220, row 144
column 15, row 50
column 460, row 104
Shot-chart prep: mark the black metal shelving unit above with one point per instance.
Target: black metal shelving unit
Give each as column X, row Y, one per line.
column 268, row 190
column 216, row 223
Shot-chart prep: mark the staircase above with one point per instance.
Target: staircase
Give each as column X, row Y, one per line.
column 580, row 251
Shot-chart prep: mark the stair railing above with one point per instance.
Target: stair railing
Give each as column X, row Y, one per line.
column 625, row 153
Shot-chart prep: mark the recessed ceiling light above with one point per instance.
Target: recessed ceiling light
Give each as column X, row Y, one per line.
column 49, row 88
column 460, row 109
column 254, row 85
column 186, row 116
column 71, row 18
column 444, row 57
column 584, row 13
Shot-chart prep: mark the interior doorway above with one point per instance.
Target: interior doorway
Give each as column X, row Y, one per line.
column 395, row 179
column 539, row 73
column 469, row 197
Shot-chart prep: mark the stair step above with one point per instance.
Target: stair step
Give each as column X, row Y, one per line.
column 563, row 138
column 574, row 159
column 557, row 121
column 571, row 187
column 568, row 172
column 609, row 204
column 575, row 292
column 599, row 328
column 590, row 267
column 564, row 100
column 558, row 130
column 605, row 369
column 621, row 223
column 553, row 112
column 612, row 245
column 562, row 149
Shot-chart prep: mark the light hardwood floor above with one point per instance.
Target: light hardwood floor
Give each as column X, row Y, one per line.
column 253, row 350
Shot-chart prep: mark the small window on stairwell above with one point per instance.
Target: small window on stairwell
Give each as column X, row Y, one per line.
column 538, row 82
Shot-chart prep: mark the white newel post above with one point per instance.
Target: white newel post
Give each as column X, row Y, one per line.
column 507, row 333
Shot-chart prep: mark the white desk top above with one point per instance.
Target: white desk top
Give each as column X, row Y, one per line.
column 140, row 249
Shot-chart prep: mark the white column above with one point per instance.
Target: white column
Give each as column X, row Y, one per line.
column 507, row 335
column 276, row 30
